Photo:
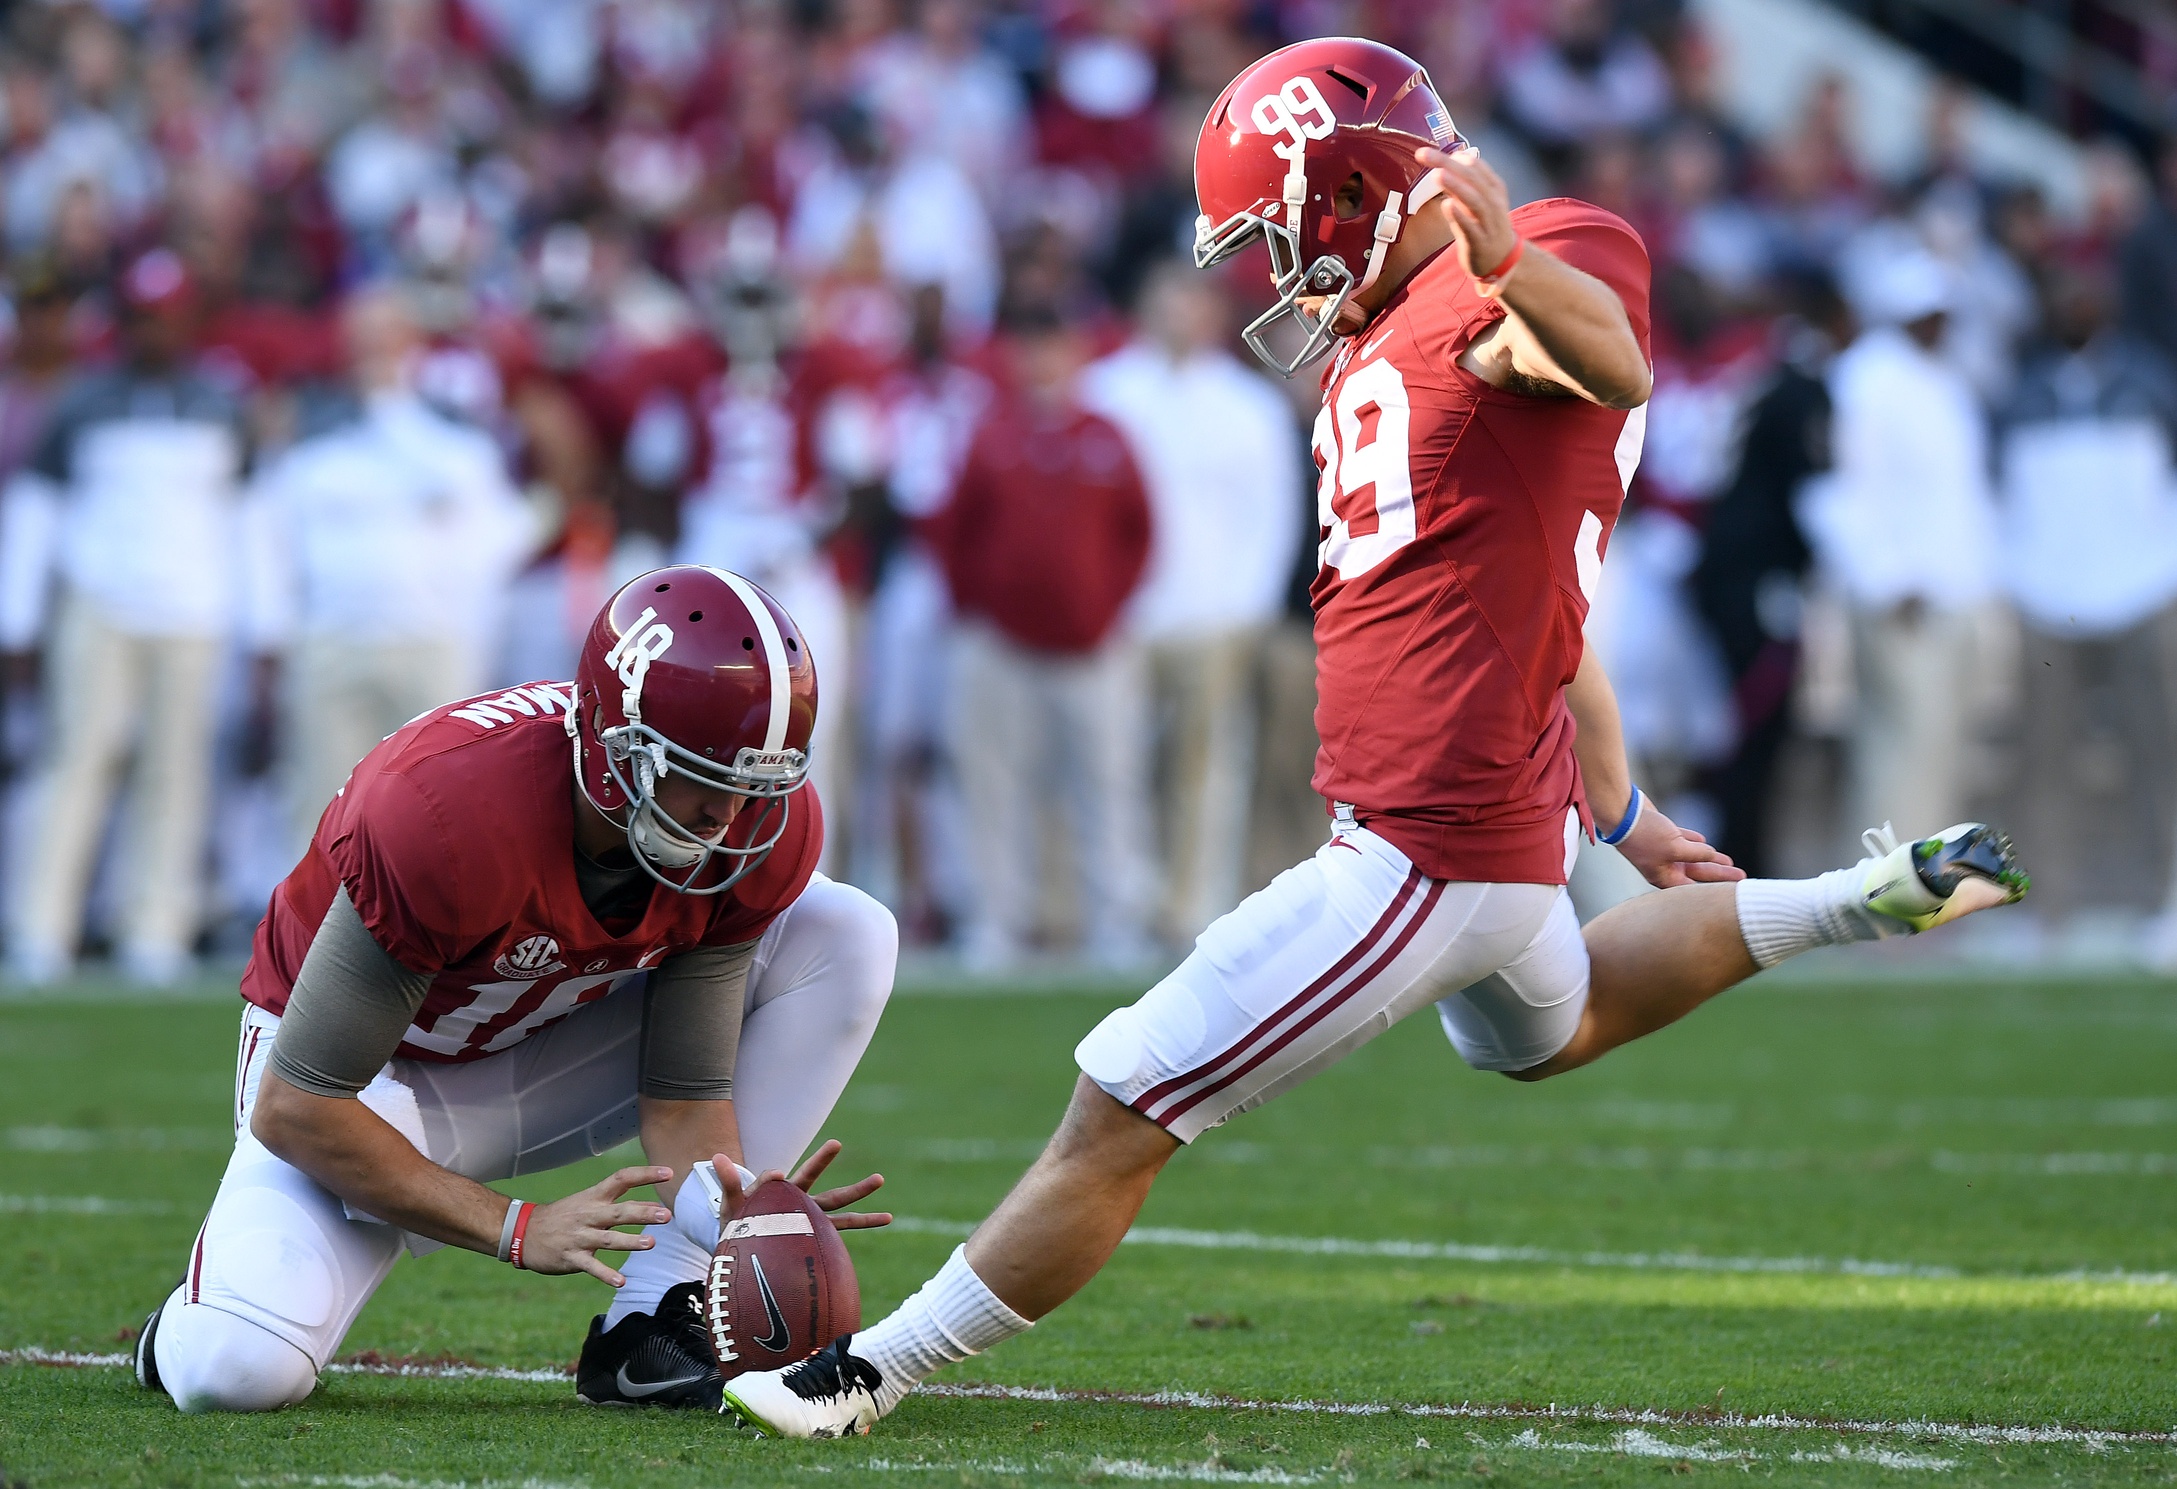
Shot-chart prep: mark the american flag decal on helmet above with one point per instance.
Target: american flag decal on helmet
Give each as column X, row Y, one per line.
column 1439, row 124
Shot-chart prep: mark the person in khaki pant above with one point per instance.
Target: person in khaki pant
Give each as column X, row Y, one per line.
column 362, row 541
column 1905, row 526
column 1043, row 541
column 128, row 502
column 1221, row 458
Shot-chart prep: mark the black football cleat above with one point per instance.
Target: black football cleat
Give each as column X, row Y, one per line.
column 652, row 1359
column 147, row 1359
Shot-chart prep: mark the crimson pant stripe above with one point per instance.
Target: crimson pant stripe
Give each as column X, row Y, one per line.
column 241, row 1073
column 1315, row 1015
column 196, row 1264
column 1157, row 1093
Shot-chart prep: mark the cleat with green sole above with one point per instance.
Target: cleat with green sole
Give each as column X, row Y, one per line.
column 1931, row 882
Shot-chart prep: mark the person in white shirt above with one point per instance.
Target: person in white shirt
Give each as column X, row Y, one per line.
column 1905, row 526
column 115, row 556
column 1220, row 454
column 930, row 225
column 2090, row 558
column 942, row 92
column 367, row 545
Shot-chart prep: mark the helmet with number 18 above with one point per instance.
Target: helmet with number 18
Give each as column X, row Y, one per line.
column 1280, row 142
column 695, row 672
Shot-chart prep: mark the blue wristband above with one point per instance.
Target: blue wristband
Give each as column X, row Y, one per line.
column 1618, row 834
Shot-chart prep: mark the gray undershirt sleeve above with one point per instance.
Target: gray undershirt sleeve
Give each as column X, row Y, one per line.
column 350, row 1005
column 692, row 1023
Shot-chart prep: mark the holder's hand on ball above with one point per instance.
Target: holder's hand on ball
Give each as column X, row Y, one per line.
column 832, row 1202
column 566, row 1235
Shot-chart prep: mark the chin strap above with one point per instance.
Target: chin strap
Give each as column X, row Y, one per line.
column 1388, row 222
column 1296, row 191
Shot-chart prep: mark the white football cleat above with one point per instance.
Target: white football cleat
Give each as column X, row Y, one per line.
column 830, row 1394
column 1936, row 880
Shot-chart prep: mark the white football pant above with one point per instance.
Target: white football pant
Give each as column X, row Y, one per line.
column 1332, row 953
column 281, row 1267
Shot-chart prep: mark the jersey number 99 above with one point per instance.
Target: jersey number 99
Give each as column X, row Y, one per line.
column 1364, row 499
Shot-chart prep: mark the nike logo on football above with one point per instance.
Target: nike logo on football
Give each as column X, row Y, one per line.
column 1370, row 349
column 640, row 1389
column 776, row 1338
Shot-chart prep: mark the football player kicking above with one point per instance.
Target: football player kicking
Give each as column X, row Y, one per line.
column 530, row 927
column 1479, row 423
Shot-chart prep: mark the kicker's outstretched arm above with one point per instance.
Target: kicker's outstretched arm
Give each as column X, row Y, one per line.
column 1564, row 330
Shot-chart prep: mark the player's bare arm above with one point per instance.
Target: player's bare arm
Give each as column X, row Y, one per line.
column 1565, row 333
column 1665, row 853
column 357, row 1154
column 1564, row 330
column 680, row 1134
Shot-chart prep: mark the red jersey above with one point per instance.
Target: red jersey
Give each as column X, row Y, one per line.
column 1048, row 529
column 455, row 841
column 1463, row 530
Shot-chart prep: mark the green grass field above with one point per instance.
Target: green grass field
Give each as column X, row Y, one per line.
column 1886, row 1213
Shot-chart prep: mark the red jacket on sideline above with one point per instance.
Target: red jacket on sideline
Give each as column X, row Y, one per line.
column 1048, row 530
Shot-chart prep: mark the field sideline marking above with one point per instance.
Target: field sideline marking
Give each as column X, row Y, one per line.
column 1638, row 1261
column 2093, row 1439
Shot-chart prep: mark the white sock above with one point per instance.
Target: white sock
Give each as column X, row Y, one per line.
column 1781, row 918
column 953, row 1316
column 682, row 1253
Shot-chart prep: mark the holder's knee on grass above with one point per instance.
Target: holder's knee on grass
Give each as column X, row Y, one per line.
column 214, row 1361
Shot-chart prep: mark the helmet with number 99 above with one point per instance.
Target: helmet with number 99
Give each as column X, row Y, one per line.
column 696, row 672
column 1281, row 141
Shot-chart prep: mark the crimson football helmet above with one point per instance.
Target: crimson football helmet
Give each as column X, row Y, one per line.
column 1278, row 144
column 694, row 670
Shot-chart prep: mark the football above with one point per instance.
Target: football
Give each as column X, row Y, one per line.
column 781, row 1283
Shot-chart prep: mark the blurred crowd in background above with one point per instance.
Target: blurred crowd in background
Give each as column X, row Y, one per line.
column 356, row 349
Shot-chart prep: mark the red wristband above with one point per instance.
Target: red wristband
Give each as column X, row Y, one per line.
column 1491, row 282
column 521, row 1229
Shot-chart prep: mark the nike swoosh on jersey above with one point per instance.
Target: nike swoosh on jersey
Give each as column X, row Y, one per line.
column 776, row 1338
column 1370, row 349
column 639, row 1389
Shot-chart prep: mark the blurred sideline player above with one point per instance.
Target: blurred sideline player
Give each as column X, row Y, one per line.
column 450, row 988
column 1479, row 423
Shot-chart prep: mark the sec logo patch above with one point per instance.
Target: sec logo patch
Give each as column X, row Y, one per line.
column 536, row 957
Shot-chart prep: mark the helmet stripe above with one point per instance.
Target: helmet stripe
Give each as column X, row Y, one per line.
column 774, row 652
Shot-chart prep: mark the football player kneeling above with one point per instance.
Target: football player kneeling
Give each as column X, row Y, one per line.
column 532, row 926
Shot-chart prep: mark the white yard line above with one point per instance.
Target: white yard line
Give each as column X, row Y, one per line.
column 1627, row 1159
column 79, row 1204
column 1641, row 1261
column 400, row 1481
column 2092, row 1439
column 1963, row 1433
column 32, row 1355
column 52, row 1139
column 1196, row 1473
